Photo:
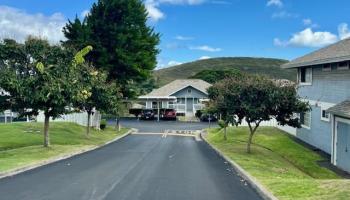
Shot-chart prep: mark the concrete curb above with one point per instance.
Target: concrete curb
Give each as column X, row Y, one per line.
column 57, row 159
column 256, row 185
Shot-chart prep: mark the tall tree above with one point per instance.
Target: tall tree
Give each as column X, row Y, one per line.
column 124, row 45
column 256, row 99
column 40, row 77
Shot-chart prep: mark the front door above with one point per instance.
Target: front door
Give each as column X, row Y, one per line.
column 189, row 107
column 343, row 146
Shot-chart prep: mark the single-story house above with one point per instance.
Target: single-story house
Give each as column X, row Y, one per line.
column 184, row 95
column 324, row 82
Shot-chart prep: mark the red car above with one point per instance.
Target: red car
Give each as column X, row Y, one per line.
column 169, row 114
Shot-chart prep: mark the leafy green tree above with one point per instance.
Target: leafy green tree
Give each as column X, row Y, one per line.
column 40, row 77
column 256, row 99
column 213, row 76
column 124, row 45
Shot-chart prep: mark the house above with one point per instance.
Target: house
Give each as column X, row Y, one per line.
column 185, row 96
column 324, row 81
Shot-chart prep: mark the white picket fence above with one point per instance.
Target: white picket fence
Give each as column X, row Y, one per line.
column 273, row 123
column 78, row 118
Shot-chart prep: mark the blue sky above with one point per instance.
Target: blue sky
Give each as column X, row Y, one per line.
column 199, row 29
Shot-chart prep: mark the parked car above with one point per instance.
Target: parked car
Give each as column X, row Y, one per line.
column 169, row 114
column 147, row 114
column 208, row 117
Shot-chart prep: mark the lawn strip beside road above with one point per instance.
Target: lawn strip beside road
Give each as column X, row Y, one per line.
column 288, row 169
column 21, row 144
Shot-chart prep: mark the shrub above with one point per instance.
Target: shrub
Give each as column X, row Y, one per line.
column 199, row 113
column 221, row 123
column 103, row 124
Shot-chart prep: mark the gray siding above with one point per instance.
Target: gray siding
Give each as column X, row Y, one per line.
column 320, row 132
column 194, row 94
column 331, row 87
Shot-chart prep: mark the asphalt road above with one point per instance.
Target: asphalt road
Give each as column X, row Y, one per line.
column 138, row 167
column 153, row 126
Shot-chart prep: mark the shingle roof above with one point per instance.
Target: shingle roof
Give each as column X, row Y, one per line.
column 178, row 85
column 342, row 109
column 337, row 52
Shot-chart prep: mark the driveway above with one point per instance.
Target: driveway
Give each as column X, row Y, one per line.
column 138, row 167
column 154, row 126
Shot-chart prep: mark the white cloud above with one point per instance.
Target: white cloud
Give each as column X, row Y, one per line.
column 343, row 30
column 205, row 48
column 309, row 23
column 85, row 13
column 308, row 38
column 18, row 24
column 183, row 38
column 277, row 3
column 204, row 57
column 154, row 12
column 284, row 15
column 173, row 63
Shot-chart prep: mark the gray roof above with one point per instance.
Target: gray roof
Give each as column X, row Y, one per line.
column 178, row 85
column 342, row 109
column 337, row 52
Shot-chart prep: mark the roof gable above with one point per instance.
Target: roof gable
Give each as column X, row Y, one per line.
column 178, row 85
column 337, row 52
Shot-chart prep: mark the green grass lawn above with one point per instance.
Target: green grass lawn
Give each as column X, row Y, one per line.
column 21, row 143
column 286, row 168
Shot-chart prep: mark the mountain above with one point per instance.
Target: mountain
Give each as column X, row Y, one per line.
column 265, row 66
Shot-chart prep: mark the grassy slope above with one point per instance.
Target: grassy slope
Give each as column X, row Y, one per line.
column 287, row 168
column 21, row 143
column 266, row 66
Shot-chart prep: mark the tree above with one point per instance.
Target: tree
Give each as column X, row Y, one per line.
column 95, row 95
column 40, row 77
column 256, row 99
column 124, row 45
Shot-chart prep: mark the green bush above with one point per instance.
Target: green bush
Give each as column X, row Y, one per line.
column 199, row 113
column 103, row 124
column 221, row 123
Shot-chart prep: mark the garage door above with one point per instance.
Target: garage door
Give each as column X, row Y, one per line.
column 343, row 146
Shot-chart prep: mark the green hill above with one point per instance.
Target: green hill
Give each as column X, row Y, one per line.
column 266, row 66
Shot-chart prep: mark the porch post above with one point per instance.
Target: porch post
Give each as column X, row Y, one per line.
column 158, row 111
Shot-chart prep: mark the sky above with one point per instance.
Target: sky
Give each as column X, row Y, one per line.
column 201, row 29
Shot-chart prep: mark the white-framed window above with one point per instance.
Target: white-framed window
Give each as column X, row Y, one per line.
column 305, row 76
column 325, row 116
column 305, row 119
column 343, row 65
column 327, row 67
column 189, row 91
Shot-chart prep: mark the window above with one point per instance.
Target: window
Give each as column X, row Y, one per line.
column 305, row 76
column 327, row 68
column 325, row 116
column 305, row 119
column 343, row 66
column 189, row 91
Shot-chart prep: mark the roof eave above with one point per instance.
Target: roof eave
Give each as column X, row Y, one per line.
column 315, row 62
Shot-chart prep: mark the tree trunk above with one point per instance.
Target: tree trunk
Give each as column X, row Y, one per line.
column 46, row 130
column 117, row 124
column 225, row 132
column 252, row 132
column 250, row 142
column 88, row 124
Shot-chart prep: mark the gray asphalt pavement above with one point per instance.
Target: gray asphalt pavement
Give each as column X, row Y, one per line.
column 138, row 167
column 153, row 126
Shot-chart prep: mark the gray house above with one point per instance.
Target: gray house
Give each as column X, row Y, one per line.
column 185, row 96
column 324, row 81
